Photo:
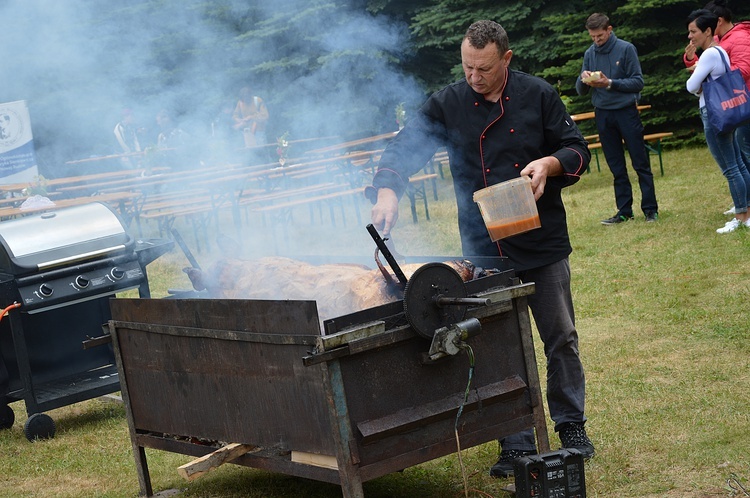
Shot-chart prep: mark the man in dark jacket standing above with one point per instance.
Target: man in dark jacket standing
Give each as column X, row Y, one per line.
column 612, row 72
column 497, row 125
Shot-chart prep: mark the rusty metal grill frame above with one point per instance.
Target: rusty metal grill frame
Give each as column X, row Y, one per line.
column 354, row 402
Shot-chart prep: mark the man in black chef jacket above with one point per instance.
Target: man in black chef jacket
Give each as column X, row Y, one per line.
column 498, row 124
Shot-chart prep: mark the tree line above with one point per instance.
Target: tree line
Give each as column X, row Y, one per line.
column 324, row 67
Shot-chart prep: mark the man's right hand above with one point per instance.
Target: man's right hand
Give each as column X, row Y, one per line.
column 385, row 211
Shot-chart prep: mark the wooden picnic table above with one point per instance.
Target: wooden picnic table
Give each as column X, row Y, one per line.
column 144, row 182
column 260, row 182
column 93, row 159
column 118, row 200
column 346, row 146
column 231, row 188
column 124, row 155
column 651, row 141
column 290, row 143
column 55, row 183
column 590, row 115
column 17, row 200
column 270, row 176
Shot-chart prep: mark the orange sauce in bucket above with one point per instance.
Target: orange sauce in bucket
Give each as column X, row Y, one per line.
column 513, row 226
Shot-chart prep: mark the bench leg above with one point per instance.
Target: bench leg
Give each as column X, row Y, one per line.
column 417, row 191
column 200, row 224
column 355, row 203
column 413, row 204
column 340, row 203
column 424, row 197
column 311, row 210
column 166, row 223
column 281, row 218
column 331, row 212
column 429, row 169
column 656, row 150
column 237, row 219
column 196, row 234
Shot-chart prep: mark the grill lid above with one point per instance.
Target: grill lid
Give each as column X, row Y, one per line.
column 62, row 237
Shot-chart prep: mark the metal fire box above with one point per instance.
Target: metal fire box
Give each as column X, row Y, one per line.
column 345, row 407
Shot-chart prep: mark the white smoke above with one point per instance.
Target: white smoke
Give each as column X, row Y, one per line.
column 79, row 62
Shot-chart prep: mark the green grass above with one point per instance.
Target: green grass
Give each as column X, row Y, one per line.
column 663, row 323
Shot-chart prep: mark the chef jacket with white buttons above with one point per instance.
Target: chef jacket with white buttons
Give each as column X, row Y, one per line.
column 489, row 143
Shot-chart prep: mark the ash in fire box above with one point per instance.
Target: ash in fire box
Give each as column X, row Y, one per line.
column 517, row 126
column 338, row 289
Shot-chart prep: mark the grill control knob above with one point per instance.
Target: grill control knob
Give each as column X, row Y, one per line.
column 117, row 273
column 45, row 290
column 81, row 282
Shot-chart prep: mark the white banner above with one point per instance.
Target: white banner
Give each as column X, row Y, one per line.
column 17, row 158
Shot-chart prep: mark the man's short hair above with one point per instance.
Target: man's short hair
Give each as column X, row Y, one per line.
column 597, row 21
column 484, row 32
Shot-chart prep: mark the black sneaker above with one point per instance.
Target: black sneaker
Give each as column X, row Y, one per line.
column 573, row 435
column 652, row 216
column 504, row 466
column 618, row 218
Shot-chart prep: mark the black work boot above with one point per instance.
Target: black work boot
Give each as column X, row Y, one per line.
column 573, row 435
column 504, row 466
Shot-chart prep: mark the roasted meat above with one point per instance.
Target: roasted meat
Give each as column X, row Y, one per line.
column 338, row 289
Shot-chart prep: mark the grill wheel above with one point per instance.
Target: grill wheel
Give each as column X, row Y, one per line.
column 39, row 426
column 7, row 417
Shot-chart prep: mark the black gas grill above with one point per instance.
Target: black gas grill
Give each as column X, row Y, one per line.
column 62, row 268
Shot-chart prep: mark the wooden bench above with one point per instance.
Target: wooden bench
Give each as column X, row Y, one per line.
column 416, row 190
column 329, row 181
column 122, row 201
column 160, row 207
column 200, row 210
column 652, row 141
column 16, row 201
column 351, row 145
column 198, row 215
column 441, row 160
column 333, row 199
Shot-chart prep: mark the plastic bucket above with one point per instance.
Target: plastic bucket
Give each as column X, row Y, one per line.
column 508, row 208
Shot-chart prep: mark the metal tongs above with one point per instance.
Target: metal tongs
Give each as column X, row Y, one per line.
column 388, row 255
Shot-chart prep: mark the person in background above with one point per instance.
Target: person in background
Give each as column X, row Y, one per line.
column 171, row 136
column 499, row 124
column 177, row 150
column 701, row 26
column 734, row 38
column 612, row 73
column 250, row 116
column 126, row 133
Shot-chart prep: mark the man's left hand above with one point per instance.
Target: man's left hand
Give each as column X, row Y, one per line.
column 602, row 82
column 539, row 170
